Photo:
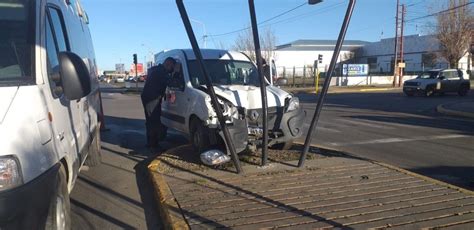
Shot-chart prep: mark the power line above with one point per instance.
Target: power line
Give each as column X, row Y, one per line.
column 440, row 12
column 267, row 20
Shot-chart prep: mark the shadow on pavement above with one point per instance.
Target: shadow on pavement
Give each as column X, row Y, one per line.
column 459, row 176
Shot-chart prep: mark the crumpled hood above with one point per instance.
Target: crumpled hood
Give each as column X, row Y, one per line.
column 7, row 94
column 249, row 97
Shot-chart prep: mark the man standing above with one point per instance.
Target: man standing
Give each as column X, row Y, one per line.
column 153, row 92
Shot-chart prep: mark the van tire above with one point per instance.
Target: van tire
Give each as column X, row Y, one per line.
column 283, row 146
column 94, row 158
column 463, row 90
column 199, row 136
column 59, row 214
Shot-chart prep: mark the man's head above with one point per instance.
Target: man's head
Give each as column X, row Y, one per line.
column 169, row 64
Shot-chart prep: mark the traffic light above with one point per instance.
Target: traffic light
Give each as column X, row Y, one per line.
column 320, row 58
column 135, row 59
column 314, row 2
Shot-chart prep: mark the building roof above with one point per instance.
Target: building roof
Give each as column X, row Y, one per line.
column 319, row 45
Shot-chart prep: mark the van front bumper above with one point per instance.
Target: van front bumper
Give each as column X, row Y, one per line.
column 26, row 207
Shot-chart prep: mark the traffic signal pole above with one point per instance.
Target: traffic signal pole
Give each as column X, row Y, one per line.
column 210, row 89
column 327, row 81
column 263, row 85
column 135, row 62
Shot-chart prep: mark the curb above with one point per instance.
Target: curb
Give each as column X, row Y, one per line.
column 410, row 173
column 167, row 206
column 441, row 109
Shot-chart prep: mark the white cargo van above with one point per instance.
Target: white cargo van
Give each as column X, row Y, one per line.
column 187, row 106
column 48, row 110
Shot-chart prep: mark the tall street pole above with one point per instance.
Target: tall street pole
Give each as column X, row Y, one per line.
column 400, row 79
column 327, row 81
column 395, row 52
column 263, row 84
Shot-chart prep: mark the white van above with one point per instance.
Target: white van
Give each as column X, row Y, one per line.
column 48, row 110
column 187, row 106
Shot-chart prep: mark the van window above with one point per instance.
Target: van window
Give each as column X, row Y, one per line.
column 56, row 41
column 59, row 29
column 17, row 37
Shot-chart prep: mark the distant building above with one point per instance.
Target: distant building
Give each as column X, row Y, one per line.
column 420, row 53
column 301, row 53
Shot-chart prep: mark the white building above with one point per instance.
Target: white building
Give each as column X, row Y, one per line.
column 420, row 53
column 302, row 53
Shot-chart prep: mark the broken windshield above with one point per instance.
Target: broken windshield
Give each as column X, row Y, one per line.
column 224, row 72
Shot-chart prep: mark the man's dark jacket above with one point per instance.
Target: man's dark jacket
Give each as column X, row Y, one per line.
column 155, row 85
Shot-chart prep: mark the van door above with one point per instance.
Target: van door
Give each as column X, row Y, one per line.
column 64, row 113
column 175, row 104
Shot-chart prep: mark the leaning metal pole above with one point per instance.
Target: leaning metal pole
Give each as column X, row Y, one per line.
column 327, row 81
column 263, row 85
column 210, row 88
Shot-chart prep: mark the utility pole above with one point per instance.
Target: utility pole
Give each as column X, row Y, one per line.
column 395, row 52
column 401, row 68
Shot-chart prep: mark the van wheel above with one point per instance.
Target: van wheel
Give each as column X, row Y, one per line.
column 94, row 158
column 59, row 215
column 199, row 136
column 429, row 91
column 409, row 94
column 283, row 146
column 463, row 91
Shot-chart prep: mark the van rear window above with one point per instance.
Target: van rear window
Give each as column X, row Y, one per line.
column 16, row 41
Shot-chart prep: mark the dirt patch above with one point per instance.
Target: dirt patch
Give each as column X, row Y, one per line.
column 186, row 158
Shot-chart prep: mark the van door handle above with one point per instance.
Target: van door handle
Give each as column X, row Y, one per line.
column 61, row 136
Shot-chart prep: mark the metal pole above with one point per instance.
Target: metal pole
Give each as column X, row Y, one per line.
column 400, row 79
column 210, row 88
column 263, row 85
column 136, row 77
column 395, row 64
column 294, row 72
column 327, row 81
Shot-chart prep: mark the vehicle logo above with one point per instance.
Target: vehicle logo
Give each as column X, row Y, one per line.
column 254, row 115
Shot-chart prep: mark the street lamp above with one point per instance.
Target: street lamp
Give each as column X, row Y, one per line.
column 314, row 2
column 204, row 36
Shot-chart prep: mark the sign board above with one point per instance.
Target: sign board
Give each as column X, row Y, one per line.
column 355, row 69
column 139, row 69
column 401, row 65
column 120, row 68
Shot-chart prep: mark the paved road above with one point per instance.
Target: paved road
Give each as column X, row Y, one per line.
column 402, row 131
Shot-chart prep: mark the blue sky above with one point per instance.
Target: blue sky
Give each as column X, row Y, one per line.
column 123, row 27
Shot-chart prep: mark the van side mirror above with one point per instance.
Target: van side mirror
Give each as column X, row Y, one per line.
column 75, row 76
column 282, row 81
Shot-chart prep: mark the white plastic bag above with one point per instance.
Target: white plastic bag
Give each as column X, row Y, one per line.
column 214, row 157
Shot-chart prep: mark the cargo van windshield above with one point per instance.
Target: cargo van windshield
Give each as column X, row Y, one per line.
column 225, row 72
column 16, row 42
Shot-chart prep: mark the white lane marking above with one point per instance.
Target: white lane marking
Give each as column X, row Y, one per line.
column 322, row 128
column 364, row 124
column 398, row 140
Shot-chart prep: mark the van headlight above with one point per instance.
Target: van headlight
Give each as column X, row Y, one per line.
column 10, row 176
column 293, row 104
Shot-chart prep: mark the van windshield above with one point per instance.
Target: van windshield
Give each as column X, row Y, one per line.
column 224, row 72
column 16, row 42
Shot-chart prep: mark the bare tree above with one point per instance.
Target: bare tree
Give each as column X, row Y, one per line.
column 454, row 31
column 244, row 43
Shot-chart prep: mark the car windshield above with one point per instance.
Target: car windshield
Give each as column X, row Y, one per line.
column 225, row 72
column 16, row 41
column 428, row 75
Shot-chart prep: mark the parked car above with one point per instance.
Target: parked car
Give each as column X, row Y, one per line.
column 49, row 111
column 438, row 81
column 119, row 79
column 187, row 107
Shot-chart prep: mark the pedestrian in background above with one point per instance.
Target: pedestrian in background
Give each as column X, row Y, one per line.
column 153, row 92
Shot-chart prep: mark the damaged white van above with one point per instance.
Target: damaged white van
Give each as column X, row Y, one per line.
column 187, row 106
column 48, row 110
